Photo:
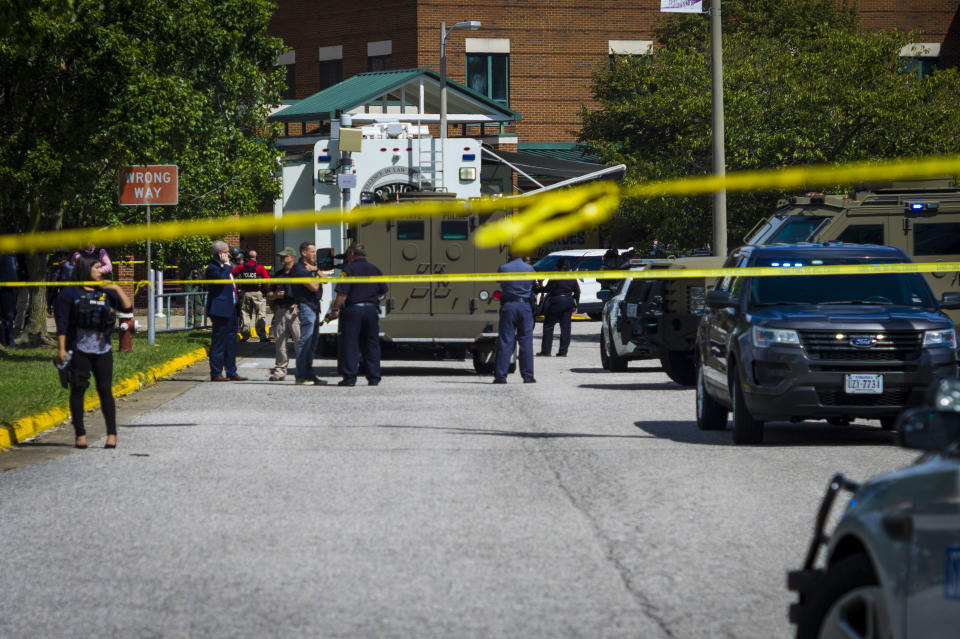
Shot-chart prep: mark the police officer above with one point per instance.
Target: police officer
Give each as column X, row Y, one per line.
column 307, row 297
column 221, row 308
column 516, row 322
column 9, row 272
column 562, row 299
column 253, row 305
column 359, row 319
column 285, row 325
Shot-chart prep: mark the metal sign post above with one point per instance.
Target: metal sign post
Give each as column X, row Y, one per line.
column 155, row 185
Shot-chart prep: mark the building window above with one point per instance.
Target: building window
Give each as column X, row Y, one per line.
column 378, row 63
column 634, row 50
column 489, row 75
column 331, row 73
column 920, row 59
column 291, row 91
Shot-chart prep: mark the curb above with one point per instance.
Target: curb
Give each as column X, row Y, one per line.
column 27, row 427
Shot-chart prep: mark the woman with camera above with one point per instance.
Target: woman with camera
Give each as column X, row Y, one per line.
column 85, row 316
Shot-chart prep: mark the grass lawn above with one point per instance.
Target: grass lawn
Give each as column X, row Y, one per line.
column 29, row 383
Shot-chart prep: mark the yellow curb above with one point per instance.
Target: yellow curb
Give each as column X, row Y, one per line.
column 27, row 427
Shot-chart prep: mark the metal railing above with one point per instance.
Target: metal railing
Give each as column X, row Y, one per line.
column 192, row 307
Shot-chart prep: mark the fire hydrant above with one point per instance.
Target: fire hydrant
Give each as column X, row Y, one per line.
column 126, row 329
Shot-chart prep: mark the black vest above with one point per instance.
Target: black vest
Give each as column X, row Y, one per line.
column 93, row 311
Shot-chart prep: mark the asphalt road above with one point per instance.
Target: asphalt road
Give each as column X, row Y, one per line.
column 435, row 505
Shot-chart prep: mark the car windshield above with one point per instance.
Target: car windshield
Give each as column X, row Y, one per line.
column 589, row 264
column 549, row 263
column 896, row 289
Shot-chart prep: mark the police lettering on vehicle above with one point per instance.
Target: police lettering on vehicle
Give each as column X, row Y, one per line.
column 93, row 311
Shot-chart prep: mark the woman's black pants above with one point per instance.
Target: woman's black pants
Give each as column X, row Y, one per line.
column 559, row 309
column 101, row 366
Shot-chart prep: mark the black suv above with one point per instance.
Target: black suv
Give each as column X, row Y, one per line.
column 832, row 347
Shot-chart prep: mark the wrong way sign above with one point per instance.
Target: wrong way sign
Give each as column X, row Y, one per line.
column 149, row 185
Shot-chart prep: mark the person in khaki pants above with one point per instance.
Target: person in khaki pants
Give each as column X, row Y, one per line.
column 286, row 324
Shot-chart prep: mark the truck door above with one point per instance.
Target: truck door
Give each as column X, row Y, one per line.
column 453, row 251
column 410, row 254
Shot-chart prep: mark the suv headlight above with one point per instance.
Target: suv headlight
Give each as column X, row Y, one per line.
column 946, row 337
column 763, row 337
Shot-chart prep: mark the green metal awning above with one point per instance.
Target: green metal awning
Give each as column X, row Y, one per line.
column 370, row 88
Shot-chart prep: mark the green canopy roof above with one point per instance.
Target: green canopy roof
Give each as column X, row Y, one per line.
column 367, row 88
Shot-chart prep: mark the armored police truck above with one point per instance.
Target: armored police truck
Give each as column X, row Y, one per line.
column 920, row 217
column 399, row 161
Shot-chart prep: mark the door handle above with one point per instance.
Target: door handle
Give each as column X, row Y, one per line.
column 898, row 527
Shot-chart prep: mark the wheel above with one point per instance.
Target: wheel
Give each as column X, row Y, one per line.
column 839, row 421
column 849, row 603
column 888, row 423
column 710, row 414
column 746, row 429
column 484, row 362
column 615, row 363
column 604, row 359
column 680, row 367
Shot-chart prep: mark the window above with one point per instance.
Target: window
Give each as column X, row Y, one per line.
column 378, row 63
column 920, row 58
column 453, row 230
column 489, row 75
column 637, row 51
column 797, row 228
column 410, row 230
column 942, row 238
column 331, row 73
column 863, row 234
column 291, row 91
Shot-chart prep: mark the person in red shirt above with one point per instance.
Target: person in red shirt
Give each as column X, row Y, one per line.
column 253, row 304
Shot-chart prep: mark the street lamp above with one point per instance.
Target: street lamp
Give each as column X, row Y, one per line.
column 472, row 25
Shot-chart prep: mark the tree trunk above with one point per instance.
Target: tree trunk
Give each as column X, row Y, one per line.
column 35, row 331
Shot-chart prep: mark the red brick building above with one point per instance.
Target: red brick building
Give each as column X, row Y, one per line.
column 538, row 57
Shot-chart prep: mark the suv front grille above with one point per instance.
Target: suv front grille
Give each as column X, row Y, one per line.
column 895, row 345
column 890, row 397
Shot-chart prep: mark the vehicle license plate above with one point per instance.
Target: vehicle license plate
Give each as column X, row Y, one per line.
column 631, row 310
column 863, row 384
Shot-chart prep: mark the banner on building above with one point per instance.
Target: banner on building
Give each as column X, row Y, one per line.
column 681, row 6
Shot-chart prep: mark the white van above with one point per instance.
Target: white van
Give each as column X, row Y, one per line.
column 581, row 260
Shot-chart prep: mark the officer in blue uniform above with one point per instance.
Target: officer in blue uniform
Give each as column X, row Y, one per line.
column 516, row 322
column 359, row 319
column 221, row 308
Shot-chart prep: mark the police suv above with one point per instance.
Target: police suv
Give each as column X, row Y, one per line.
column 834, row 347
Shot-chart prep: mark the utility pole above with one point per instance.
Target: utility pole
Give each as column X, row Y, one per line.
column 719, row 156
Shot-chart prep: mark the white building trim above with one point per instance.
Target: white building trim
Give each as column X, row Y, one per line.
column 488, row 45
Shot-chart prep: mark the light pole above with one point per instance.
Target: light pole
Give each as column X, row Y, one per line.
column 472, row 25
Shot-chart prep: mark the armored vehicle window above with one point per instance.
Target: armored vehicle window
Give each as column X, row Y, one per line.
column 410, row 230
column 942, row 238
column 453, row 230
column 796, row 228
column 863, row 234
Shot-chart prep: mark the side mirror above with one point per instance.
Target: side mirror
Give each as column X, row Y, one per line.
column 926, row 429
column 720, row 299
column 950, row 301
column 604, row 295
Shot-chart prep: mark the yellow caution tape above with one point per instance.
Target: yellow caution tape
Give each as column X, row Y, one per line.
column 645, row 274
column 542, row 217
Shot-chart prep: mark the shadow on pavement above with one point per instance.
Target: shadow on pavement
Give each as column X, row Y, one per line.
column 155, row 425
column 512, row 433
column 635, row 387
column 652, row 369
column 775, row 434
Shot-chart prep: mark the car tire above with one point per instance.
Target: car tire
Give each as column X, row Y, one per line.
column 888, row 423
column 710, row 414
column 680, row 366
column 484, row 362
column 615, row 363
column 746, row 429
column 839, row 421
column 848, row 602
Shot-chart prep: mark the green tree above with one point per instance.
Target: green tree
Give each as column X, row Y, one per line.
column 88, row 86
column 803, row 84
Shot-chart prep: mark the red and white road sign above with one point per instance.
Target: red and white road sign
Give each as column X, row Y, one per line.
column 153, row 185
